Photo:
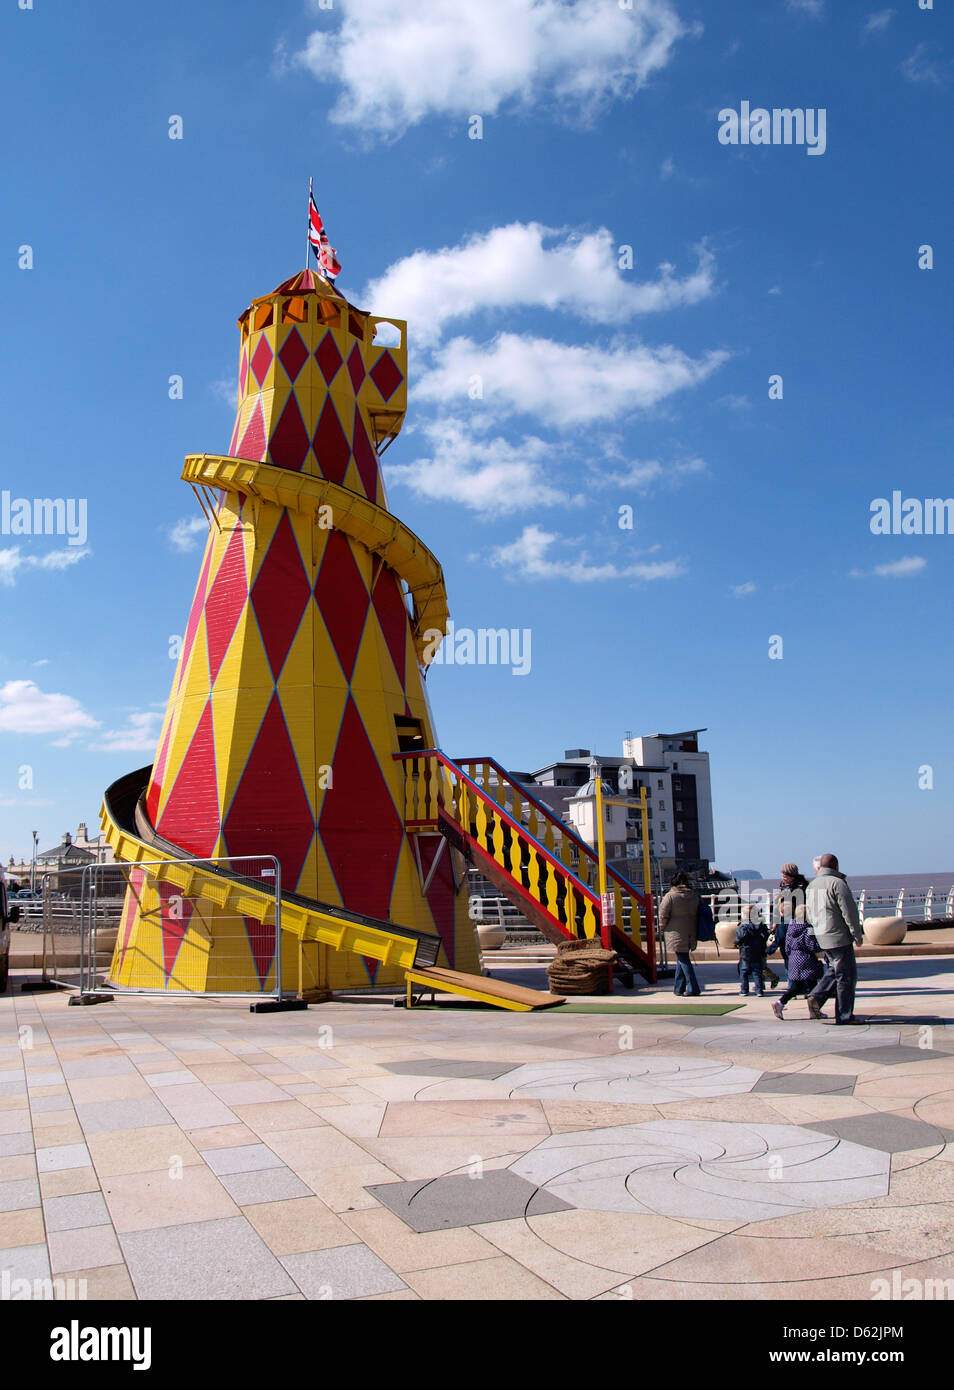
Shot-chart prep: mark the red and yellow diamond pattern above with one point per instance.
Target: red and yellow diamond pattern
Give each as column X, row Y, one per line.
column 297, row 660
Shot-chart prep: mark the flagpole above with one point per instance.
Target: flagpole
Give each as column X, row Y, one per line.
column 308, row 233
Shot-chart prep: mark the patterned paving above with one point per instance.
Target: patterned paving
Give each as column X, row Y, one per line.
column 175, row 1150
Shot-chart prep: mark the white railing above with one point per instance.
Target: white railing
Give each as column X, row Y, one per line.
column 931, row 904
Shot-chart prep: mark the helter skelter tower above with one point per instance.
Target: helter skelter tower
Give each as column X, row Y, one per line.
column 301, row 673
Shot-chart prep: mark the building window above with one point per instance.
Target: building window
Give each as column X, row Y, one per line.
column 678, row 824
column 659, row 783
column 662, row 825
column 662, row 805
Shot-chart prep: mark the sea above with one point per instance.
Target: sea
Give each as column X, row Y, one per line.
column 881, row 891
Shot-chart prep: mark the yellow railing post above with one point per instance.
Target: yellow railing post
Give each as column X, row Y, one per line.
column 644, row 817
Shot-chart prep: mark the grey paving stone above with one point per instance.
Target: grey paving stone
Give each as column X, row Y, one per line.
column 893, row 1054
column 434, row 1066
column 98, row 1117
column 25, row 1262
column 74, row 1213
column 11, row 1144
column 264, row 1185
column 440, row 1204
column 9, row 1089
column 42, row 1105
column 59, row 1157
column 891, row 1134
column 244, row 1158
column 347, row 1271
column 202, row 1260
column 83, row 1068
column 19, row 1194
column 799, row 1083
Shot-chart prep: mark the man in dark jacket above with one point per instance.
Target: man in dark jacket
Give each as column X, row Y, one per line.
column 833, row 918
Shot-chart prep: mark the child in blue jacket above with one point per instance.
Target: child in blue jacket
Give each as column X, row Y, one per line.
column 751, row 939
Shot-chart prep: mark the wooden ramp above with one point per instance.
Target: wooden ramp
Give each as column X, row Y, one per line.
column 479, row 987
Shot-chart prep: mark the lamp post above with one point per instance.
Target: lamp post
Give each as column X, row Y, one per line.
column 36, row 836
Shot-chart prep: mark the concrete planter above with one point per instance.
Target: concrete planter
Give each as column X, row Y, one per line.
column 490, row 937
column 884, row 931
column 725, row 934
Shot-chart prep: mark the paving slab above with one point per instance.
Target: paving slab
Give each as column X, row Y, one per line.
column 805, row 1083
column 441, row 1203
column 346, row 1271
column 886, row 1132
column 217, row 1260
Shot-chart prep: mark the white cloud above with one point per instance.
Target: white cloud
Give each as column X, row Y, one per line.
column 183, row 536
column 919, row 67
column 25, row 709
column 529, row 557
column 140, row 735
column 813, row 8
column 666, row 169
column 643, row 474
column 225, row 390
column 527, row 265
column 877, row 21
column 740, row 590
column 894, row 569
column 491, row 476
column 563, row 385
column 399, row 64
column 13, row 560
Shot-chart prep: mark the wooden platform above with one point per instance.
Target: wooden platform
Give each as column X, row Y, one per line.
column 480, row 987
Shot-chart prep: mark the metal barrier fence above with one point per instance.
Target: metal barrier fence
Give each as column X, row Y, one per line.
column 165, row 931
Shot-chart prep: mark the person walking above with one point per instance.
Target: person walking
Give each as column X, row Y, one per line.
column 804, row 967
column 790, row 897
column 678, row 915
column 832, row 914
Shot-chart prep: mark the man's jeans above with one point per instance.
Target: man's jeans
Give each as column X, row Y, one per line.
column 839, row 979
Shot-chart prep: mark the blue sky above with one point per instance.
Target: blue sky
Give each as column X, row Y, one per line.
column 603, row 386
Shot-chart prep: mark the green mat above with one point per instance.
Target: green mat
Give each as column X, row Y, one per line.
column 594, row 1007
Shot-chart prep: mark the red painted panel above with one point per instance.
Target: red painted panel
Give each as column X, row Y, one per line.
column 289, row 444
column 190, row 818
column 342, row 599
column 254, row 442
column 365, row 457
column 393, row 616
column 359, row 826
column 175, row 915
column 225, row 603
column 280, row 595
column 332, row 449
column 269, row 813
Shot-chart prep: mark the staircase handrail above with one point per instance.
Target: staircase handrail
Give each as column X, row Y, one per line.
column 554, row 819
column 504, row 813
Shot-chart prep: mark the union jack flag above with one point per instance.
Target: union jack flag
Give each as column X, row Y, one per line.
column 325, row 253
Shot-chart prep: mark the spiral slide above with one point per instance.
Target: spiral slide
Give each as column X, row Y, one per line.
column 134, row 840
